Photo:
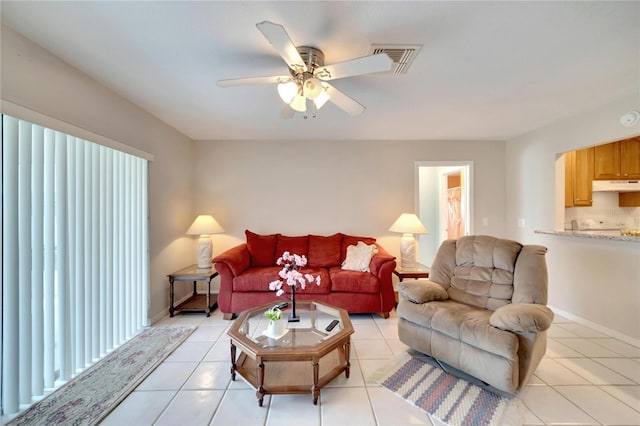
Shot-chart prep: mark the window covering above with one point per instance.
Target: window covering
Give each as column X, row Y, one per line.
column 75, row 275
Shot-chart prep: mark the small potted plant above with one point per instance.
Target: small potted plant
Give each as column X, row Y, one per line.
column 276, row 327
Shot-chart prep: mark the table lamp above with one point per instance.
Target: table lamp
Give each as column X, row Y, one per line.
column 408, row 224
column 204, row 225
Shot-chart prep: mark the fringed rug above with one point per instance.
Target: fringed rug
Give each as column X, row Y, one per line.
column 450, row 399
column 89, row 397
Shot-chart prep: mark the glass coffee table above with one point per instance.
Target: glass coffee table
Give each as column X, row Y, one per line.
column 303, row 360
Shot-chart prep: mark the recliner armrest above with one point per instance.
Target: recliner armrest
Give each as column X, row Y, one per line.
column 522, row 317
column 421, row 291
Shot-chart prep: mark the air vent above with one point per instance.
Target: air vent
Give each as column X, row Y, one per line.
column 401, row 55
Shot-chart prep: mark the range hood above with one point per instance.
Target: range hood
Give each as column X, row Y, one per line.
column 616, row 185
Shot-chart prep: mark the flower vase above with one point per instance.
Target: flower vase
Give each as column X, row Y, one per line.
column 293, row 317
column 275, row 328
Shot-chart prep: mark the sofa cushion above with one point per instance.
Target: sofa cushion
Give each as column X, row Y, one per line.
column 350, row 240
column 294, row 245
column 343, row 280
column 324, row 252
column 262, row 248
column 256, row 278
column 483, row 275
column 312, row 288
column 465, row 323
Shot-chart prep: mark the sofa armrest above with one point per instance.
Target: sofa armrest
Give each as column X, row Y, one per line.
column 379, row 259
column 421, row 291
column 522, row 317
column 236, row 259
column 381, row 266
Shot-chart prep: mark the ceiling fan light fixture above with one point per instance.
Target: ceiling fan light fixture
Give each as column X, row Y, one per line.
column 304, row 89
column 299, row 103
column 312, row 88
column 288, row 91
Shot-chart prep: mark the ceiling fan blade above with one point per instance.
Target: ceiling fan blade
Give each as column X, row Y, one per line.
column 279, row 39
column 254, row 80
column 365, row 65
column 343, row 101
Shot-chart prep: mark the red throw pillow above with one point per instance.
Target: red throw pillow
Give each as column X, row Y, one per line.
column 294, row 245
column 262, row 248
column 324, row 252
column 350, row 240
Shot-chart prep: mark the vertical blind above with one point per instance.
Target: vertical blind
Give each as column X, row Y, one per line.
column 74, row 256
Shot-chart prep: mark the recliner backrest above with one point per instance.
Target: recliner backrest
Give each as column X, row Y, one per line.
column 490, row 272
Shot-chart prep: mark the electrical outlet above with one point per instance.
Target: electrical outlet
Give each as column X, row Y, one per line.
column 522, row 223
column 485, row 221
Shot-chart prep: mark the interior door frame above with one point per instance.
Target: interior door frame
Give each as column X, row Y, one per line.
column 442, row 196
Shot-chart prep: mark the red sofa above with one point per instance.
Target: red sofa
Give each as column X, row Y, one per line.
column 247, row 269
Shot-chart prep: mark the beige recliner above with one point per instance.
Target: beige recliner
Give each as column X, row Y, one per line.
column 482, row 311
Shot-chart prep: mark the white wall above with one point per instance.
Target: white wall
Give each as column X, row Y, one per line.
column 596, row 280
column 429, row 213
column 357, row 187
column 323, row 187
column 33, row 78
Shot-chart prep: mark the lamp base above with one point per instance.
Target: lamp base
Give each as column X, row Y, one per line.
column 205, row 252
column 408, row 252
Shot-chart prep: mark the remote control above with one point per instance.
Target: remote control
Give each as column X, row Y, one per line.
column 281, row 305
column 332, row 325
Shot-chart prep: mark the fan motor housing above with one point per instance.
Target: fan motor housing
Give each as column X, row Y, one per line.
column 312, row 57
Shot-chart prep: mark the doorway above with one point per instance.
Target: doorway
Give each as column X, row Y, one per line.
column 444, row 203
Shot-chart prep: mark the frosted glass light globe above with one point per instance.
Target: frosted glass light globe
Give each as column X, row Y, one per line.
column 287, row 91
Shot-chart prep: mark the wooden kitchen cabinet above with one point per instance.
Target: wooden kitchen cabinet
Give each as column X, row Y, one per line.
column 629, row 199
column 579, row 178
column 569, row 162
column 630, row 158
column 617, row 160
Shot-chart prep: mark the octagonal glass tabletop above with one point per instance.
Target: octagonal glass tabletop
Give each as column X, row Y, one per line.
column 309, row 331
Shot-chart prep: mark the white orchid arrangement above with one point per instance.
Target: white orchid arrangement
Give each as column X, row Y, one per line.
column 290, row 274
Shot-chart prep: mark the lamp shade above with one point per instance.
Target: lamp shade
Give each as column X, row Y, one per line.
column 204, row 225
column 408, row 223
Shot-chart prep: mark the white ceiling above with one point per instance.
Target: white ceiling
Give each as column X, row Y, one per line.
column 487, row 70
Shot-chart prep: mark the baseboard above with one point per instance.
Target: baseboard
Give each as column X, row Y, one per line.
column 165, row 312
column 610, row 332
column 159, row 317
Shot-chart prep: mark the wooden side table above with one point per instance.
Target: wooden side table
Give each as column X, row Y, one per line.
column 197, row 302
column 420, row 271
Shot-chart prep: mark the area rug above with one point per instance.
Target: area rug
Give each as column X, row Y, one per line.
column 452, row 400
column 89, row 397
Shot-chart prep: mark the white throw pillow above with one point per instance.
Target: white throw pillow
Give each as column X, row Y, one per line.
column 358, row 257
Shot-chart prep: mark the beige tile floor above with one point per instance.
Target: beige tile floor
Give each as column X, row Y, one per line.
column 585, row 378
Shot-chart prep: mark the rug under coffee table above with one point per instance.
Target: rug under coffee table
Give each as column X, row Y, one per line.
column 303, row 360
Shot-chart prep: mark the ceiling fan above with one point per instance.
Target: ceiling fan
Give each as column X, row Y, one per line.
column 306, row 88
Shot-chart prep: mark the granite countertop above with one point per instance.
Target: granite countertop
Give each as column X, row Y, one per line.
column 591, row 234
